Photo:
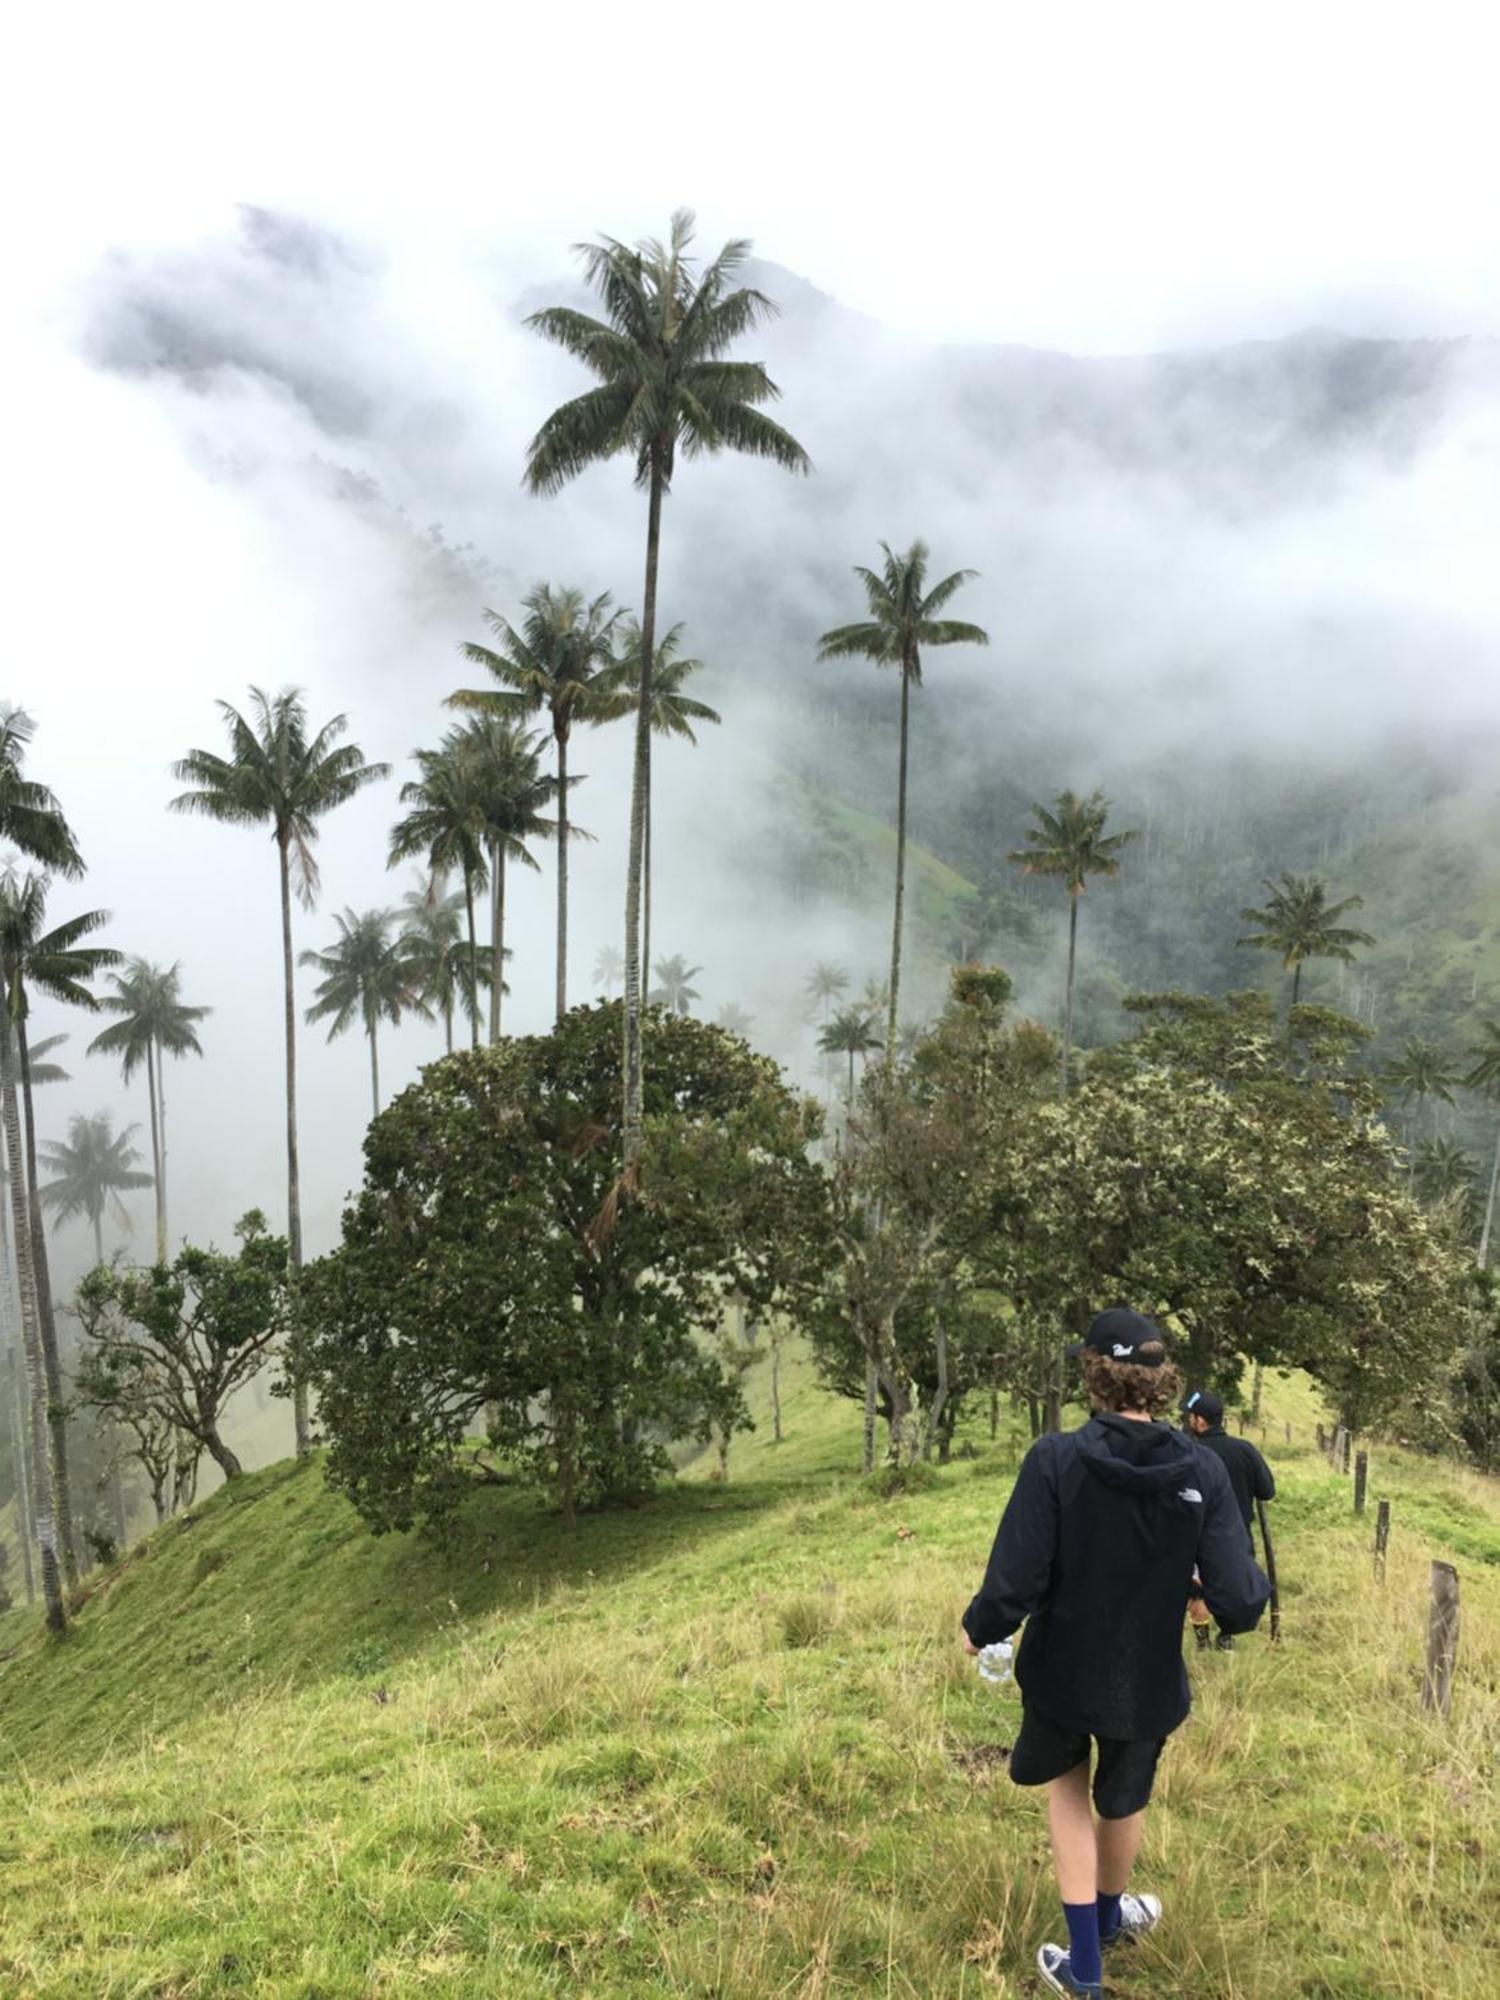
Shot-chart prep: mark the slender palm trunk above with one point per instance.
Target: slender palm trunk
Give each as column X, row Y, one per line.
column 1067, row 1052
column 300, row 1418
column 646, row 888
column 161, row 1126
column 562, row 870
column 374, row 1063
column 20, row 1458
column 448, row 1023
column 872, row 1385
column 41, row 1472
column 497, row 935
column 499, row 966
column 57, row 1421
column 1489, row 1210
column 639, row 795
column 890, row 1032
column 117, row 1493
column 99, row 1237
column 473, row 959
column 1296, row 981
column 156, row 1158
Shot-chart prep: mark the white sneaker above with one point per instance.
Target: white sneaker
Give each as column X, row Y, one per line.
column 1052, row 1964
column 1138, row 1914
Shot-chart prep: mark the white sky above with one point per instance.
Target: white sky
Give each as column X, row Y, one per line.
column 1096, row 176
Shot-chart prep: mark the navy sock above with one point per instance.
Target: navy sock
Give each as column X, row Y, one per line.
column 1084, row 1957
column 1109, row 1915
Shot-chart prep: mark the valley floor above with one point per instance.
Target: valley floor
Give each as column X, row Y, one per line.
column 726, row 1745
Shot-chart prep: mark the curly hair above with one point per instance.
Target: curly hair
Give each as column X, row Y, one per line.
column 1123, row 1385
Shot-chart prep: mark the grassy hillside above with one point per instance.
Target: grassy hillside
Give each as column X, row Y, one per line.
column 726, row 1745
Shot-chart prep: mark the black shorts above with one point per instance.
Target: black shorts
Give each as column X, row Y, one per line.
column 1122, row 1779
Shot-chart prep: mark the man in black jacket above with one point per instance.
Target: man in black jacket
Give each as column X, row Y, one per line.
column 1096, row 1551
column 1249, row 1478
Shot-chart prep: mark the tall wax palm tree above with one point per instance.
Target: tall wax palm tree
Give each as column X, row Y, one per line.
column 154, row 1022
column 58, row 964
column 733, row 1019
column 664, row 384
column 280, row 775
column 1420, row 1075
column 609, row 967
column 32, row 821
column 1483, row 1076
column 514, row 791
column 560, row 662
column 903, row 619
column 1442, row 1169
column 446, row 828
column 825, row 984
column 366, row 978
column 91, row 1169
column 673, row 713
column 1298, row 923
column 850, row 1033
column 676, row 992
column 1070, row 843
column 432, row 941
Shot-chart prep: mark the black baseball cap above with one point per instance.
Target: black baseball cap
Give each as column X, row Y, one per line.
column 1121, row 1334
column 1204, row 1403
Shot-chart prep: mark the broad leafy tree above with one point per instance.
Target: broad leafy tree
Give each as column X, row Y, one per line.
column 490, row 1273
column 90, row 1170
column 1299, row 924
column 904, row 620
column 152, row 1022
column 663, row 384
column 279, row 774
column 1229, row 1172
column 365, row 977
column 171, row 1345
column 1070, row 844
column 559, row 662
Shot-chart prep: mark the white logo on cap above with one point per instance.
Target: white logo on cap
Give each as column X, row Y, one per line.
column 1119, row 1350
column 1191, row 1493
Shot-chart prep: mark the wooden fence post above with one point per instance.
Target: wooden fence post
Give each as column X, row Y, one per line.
column 1322, row 1446
column 1344, row 1451
column 1382, row 1537
column 1442, row 1639
column 1361, row 1475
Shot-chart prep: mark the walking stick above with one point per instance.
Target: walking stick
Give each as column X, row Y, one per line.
column 1265, row 1541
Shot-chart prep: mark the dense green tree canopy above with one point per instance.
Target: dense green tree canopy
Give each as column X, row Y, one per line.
column 491, row 1268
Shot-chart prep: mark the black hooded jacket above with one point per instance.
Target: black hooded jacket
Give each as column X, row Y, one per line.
column 1096, row 1550
column 1249, row 1475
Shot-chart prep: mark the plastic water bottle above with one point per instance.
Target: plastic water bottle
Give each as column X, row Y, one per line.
column 994, row 1661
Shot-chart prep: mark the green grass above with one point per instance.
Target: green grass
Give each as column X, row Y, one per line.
column 726, row 1745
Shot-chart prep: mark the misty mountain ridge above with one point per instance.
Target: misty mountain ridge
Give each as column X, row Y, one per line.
column 1246, row 590
column 1262, row 410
